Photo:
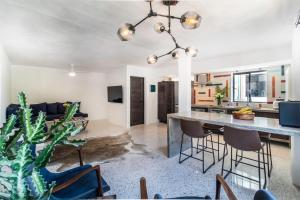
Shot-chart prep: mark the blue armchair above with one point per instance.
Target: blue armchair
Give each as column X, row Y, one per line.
column 78, row 183
column 81, row 182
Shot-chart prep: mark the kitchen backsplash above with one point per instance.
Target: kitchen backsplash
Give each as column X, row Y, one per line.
column 204, row 94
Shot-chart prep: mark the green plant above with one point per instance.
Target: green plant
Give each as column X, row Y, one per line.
column 20, row 176
column 220, row 94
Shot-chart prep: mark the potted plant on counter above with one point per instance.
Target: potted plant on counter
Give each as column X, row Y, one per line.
column 220, row 94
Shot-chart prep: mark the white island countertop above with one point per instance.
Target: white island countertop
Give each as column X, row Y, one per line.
column 259, row 123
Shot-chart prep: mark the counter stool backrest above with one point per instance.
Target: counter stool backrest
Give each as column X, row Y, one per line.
column 242, row 139
column 191, row 128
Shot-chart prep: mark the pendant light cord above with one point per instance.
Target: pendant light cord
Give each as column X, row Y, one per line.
column 298, row 20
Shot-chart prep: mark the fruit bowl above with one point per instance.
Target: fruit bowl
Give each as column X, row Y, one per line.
column 242, row 116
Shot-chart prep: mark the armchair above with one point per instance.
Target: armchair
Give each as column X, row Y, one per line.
column 259, row 195
column 82, row 182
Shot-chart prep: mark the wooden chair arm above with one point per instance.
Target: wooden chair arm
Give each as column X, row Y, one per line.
column 143, row 188
column 221, row 182
column 78, row 176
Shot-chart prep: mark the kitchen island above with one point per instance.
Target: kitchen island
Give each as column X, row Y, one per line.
column 230, row 109
column 259, row 123
column 259, row 112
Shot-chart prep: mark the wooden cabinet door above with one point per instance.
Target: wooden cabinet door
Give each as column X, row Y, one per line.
column 136, row 101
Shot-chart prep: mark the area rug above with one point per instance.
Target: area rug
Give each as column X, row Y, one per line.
column 104, row 149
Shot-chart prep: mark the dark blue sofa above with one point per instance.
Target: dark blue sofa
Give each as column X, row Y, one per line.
column 52, row 110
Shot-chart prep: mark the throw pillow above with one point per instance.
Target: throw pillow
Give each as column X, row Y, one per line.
column 36, row 108
column 60, row 108
column 52, row 108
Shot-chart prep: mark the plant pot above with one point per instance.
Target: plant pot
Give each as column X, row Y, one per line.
column 219, row 102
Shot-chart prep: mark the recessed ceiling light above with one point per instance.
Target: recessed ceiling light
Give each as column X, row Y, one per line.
column 72, row 73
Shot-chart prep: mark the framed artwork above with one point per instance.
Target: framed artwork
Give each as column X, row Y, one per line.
column 152, row 88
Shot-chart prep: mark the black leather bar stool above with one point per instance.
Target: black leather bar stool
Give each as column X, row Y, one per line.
column 218, row 130
column 245, row 140
column 194, row 129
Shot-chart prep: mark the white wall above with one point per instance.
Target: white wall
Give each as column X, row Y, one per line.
column 117, row 112
column 4, row 84
column 54, row 85
column 295, row 69
column 258, row 58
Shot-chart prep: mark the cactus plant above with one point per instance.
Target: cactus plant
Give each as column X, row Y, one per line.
column 20, row 176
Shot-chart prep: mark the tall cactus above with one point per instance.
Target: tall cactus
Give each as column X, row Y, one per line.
column 19, row 170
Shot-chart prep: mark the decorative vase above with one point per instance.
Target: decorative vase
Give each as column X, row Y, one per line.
column 219, row 101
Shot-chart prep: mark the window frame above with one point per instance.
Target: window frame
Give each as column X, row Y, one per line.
column 249, row 86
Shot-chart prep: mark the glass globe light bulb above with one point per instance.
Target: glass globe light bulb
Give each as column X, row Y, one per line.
column 191, row 51
column 126, row 32
column 175, row 55
column 152, row 59
column 159, row 27
column 190, row 20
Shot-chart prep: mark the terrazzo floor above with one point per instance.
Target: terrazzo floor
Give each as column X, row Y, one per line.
column 170, row 179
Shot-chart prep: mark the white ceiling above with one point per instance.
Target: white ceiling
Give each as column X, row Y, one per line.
column 55, row 33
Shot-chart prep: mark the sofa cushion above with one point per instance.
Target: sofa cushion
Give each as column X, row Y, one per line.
column 12, row 110
column 52, row 109
column 53, row 117
column 36, row 108
column 80, row 114
column 60, row 108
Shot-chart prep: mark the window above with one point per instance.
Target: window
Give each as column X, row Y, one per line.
column 250, row 87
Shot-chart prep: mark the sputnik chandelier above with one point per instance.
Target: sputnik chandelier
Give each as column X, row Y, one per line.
column 189, row 20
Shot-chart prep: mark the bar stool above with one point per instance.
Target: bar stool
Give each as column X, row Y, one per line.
column 266, row 138
column 194, row 129
column 218, row 130
column 245, row 140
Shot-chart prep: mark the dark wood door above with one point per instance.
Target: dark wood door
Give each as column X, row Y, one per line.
column 136, row 100
column 166, row 99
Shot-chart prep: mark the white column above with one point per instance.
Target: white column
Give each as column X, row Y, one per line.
column 295, row 95
column 185, row 78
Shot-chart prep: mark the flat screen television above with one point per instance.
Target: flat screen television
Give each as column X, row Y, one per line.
column 115, row 94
